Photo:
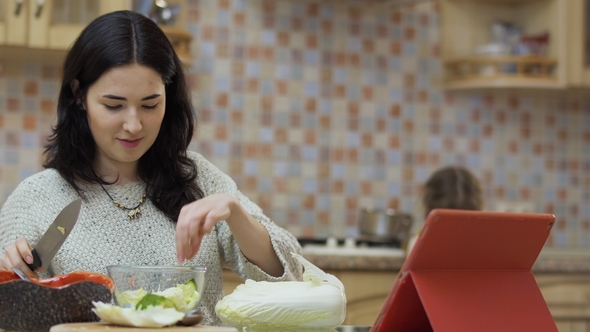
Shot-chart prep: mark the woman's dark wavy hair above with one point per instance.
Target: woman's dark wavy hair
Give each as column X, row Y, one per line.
column 117, row 39
column 452, row 187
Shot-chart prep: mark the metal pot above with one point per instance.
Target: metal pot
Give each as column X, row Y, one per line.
column 384, row 226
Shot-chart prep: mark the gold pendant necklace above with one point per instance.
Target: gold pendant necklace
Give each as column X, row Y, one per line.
column 134, row 212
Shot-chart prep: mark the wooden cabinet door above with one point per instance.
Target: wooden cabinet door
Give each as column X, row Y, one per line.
column 568, row 299
column 3, row 8
column 230, row 281
column 39, row 14
column 578, row 47
column 60, row 22
column 62, row 34
column 13, row 23
column 366, row 292
column 55, row 24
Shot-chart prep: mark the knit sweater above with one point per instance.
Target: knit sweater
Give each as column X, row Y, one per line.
column 104, row 235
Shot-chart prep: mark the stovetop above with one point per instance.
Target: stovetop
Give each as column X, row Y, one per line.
column 349, row 247
column 347, row 242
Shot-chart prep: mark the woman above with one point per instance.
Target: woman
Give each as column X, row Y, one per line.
column 125, row 121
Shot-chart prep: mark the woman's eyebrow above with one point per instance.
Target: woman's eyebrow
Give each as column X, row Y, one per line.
column 114, row 97
column 154, row 96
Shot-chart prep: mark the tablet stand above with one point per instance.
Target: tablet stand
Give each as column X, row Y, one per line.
column 471, row 271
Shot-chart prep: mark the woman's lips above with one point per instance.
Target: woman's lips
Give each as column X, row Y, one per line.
column 130, row 143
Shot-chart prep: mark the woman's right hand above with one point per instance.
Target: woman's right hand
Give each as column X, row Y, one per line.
column 16, row 255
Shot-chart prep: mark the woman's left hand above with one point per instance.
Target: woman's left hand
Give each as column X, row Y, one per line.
column 197, row 219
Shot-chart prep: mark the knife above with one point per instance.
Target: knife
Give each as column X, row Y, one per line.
column 55, row 235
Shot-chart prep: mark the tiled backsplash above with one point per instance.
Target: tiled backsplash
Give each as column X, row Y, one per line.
column 319, row 108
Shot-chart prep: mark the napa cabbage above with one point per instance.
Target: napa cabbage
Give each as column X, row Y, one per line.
column 318, row 301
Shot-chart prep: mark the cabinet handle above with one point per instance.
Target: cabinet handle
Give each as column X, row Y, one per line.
column 40, row 4
column 19, row 6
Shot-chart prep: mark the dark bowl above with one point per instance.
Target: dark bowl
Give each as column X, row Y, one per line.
column 43, row 303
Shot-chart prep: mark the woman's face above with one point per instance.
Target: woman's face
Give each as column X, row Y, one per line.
column 125, row 107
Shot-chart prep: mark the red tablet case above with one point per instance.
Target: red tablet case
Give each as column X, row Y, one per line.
column 471, row 271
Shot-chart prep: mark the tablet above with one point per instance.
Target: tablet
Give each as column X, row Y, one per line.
column 471, row 271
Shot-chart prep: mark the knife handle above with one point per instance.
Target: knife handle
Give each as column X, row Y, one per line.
column 36, row 261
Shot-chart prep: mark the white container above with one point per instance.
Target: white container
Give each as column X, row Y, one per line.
column 493, row 49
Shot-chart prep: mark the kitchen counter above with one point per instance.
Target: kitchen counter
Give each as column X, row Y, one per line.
column 563, row 277
column 545, row 263
column 556, row 264
column 358, row 258
column 361, row 263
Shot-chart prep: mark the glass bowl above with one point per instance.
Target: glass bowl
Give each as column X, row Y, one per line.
column 133, row 282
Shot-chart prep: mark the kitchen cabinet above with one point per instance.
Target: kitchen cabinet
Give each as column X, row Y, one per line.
column 12, row 27
column 49, row 24
column 467, row 24
column 63, row 20
column 230, row 281
column 2, row 23
column 365, row 292
column 578, row 49
column 568, row 299
column 55, row 24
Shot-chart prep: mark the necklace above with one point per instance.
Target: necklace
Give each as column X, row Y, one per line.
column 134, row 212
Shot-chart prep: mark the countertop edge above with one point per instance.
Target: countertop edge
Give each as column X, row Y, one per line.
column 543, row 264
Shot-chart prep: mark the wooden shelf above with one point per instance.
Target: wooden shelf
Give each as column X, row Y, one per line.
column 467, row 24
column 22, row 54
column 503, row 82
column 503, row 2
column 501, row 72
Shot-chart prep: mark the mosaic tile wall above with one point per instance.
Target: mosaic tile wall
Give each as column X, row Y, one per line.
column 319, row 108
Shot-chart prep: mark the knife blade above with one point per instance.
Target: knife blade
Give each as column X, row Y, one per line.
column 55, row 235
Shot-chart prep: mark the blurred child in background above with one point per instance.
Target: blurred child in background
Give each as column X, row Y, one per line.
column 451, row 187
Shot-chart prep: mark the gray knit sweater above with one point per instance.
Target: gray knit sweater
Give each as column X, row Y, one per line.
column 105, row 236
